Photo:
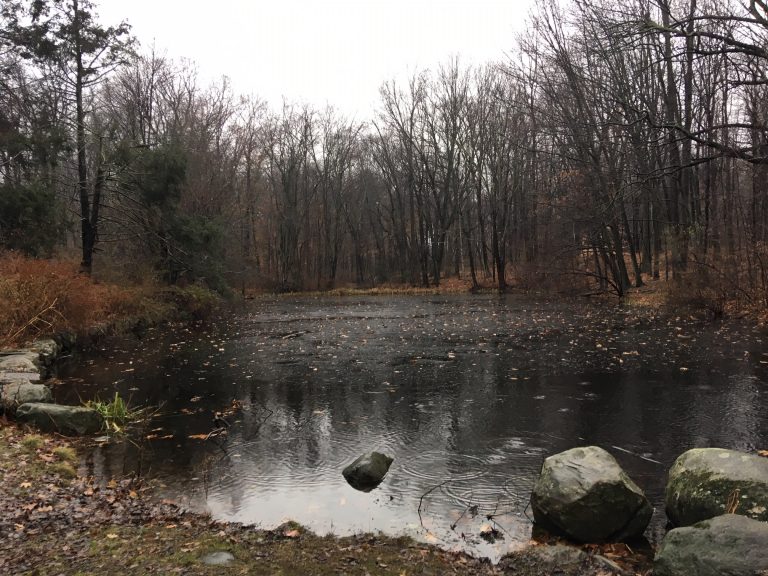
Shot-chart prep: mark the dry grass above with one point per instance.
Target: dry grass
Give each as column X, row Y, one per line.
column 447, row 286
column 43, row 297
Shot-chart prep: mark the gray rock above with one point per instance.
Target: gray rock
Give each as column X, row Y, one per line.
column 8, row 377
column 47, row 349
column 21, row 361
column 367, row 471
column 585, row 495
column 728, row 545
column 703, row 483
column 14, row 394
column 219, row 558
column 70, row 420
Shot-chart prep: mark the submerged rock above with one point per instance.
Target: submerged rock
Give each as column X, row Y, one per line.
column 585, row 495
column 728, row 544
column 70, row 420
column 14, row 394
column 708, row 482
column 367, row 471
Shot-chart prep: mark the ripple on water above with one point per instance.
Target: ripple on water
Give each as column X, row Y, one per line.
column 285, row 465
column 436, row 466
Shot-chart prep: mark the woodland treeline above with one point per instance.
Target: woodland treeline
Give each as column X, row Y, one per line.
column 614, row 143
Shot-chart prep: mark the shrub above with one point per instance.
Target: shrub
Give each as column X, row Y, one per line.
column 193, row 301
column 43, row 297
column 48, row 296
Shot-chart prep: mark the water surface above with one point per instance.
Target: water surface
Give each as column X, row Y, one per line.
column 467, row 393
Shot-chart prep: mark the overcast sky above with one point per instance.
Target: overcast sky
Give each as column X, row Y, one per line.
column 321, row 51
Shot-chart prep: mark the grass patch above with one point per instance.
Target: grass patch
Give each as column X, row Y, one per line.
column 32, row 442
column 116, row 413
column 63, row 469
column 65, row 453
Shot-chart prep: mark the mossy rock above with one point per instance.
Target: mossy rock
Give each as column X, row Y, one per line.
column 68, row 420
column 729, row 545
column 708, row 482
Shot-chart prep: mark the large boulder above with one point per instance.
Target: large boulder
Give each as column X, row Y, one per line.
column 14, row 394
column 729, row 545
column 367, row 471
column 585, row 495
column 69, row 420
column 707, row 482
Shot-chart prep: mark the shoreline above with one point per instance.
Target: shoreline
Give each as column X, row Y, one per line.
column 56, row 521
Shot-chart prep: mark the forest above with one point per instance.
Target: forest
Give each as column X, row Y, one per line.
column 615, row 143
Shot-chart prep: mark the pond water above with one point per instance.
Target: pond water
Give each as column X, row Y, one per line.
column 467, row 393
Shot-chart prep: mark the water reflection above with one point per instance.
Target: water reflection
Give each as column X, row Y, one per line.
column 468, row 394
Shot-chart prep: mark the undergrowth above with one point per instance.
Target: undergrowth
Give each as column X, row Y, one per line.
column 44, row 297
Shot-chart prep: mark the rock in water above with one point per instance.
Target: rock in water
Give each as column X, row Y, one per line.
column 708, row 482
column 585, row 495
column 48, row 349
column 70, row 420
column 367, row 471
column 728, row 545
column 14, row 394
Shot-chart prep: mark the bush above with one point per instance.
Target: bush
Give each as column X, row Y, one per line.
column 193, row 301
column 44, row 297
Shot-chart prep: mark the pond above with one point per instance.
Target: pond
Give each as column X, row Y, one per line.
column 467, row 393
